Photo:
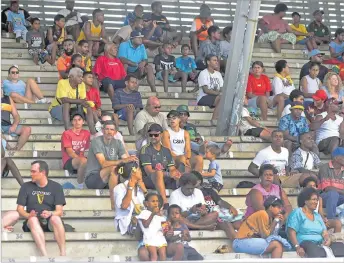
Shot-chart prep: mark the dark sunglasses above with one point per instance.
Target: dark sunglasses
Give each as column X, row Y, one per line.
column 154, row 135
column 183, row 114
column 157, row 107
column 14, row 72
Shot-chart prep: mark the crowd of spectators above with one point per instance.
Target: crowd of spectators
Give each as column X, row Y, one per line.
column 170, row 152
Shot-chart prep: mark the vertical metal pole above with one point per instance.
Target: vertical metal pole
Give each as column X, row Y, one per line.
column 237, row 68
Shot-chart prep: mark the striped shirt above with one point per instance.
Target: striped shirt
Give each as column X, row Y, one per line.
column 121, row 97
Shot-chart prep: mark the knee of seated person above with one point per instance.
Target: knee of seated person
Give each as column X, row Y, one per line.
column 30, row 80
column 26, row 129
column 14, row 95
column 213, row 215
column 32, row 221
column 276, row 244
column 148, row 68
column 55, row 220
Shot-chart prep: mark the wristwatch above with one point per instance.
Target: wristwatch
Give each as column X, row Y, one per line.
column 130, row 188
column 296, row 246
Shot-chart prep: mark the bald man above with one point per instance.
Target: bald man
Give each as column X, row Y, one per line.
column 151, row 113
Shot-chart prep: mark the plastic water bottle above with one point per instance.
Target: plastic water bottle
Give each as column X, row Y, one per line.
column 277, row 228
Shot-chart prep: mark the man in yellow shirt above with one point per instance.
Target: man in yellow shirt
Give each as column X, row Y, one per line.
column 302, row 36
column 71, row 91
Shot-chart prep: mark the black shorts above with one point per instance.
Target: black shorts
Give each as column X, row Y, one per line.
column 94, row 181
column 207, row 100
column 255, row 132
column 324, row 145
column 45, row 224
column 69, row 166
column 116, row 84
column 170, row 183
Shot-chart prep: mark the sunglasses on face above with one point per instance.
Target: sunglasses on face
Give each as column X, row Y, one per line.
column 154, row 135
column 14, row 72
column 183, row 114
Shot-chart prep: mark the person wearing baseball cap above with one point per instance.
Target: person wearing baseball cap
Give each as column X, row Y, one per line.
column 133, row 55
column 157, row 164
column 124, row 33
column 318, row 106
column 315, row 56
column 321, row 31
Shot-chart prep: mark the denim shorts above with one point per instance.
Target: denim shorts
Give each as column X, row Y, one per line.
column 170, row 77
column 253, row 246
column 122, row 114
column 6, row 129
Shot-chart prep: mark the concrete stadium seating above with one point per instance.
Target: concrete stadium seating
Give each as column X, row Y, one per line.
column 89, row 210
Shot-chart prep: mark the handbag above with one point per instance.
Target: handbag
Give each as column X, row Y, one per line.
column 136, row 211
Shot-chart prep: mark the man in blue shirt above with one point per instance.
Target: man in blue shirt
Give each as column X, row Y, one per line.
column 133, row 55
column 293, row 125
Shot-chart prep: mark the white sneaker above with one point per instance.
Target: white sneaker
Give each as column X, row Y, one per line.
column 42, row 101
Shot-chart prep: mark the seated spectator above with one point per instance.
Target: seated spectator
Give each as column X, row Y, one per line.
column 104, row 156
column 333, row 87
column 157, row 164
column 187, row 64
column 17, row 22
column 295, row 96
column 109, row 71
column 14, row 129
column 210, row 82
column 165, row 68
column 311, row 83
column 209, row 47
column 282, row 82
column 74, row 143
column 21, row 92
column 133, row 55
column 42, row 216
column 256, row 233
column 314, row 56
column 144, row 138
column 250, row 127
column 258, row 92
column 84, row 52
column 36, row 46
column 93, row 95
column 177, row 140
column 337, row 46
column 318, row 106
column 197, row 143
column 266, row 188
column 331, row 182
column 169, row 34
column 329, row 127
column 335, row 223
column 64, row 61
column 302, row 36
column 4, row 21
column 8, row 165
column 321, row 32
column 73, row 19
column 130, row 18
column 225, row 44
column 152, row 34
column 307, row 230
column 275, row 29
column 123, row 34
column 229, row 217
column 94, row 32
column 199, row 28
column 191, row 200
column 304, row 159
column 55, row 38
column 151, row 113
column 128, row 102
column 293, row 125
column 274, row 154
column 179, row 233
column 76, row 62
column 71, row 91
column 213, row 175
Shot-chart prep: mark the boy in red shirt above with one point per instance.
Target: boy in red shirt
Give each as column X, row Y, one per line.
column 74, row 143
column 92, row 94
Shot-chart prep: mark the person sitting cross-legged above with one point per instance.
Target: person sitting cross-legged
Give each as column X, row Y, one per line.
column 74, row 143
column 44, row 200
column 71, row 91
column 128, row 102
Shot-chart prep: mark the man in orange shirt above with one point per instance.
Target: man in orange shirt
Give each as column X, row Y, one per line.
column 64, row 62
column 200, row 25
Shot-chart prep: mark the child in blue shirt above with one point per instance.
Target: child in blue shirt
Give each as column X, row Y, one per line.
column 17, row 22
column 214, row 174
column 187, row 64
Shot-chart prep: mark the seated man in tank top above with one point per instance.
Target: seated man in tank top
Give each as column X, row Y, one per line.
column 178, row 141
column 94, row 32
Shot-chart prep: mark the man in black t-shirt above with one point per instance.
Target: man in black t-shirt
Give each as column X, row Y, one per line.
column 157, row 164
column 169, row 34
column 44, row 200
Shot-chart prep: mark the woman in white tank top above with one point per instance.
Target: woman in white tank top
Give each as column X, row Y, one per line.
column 310, row 83
column 178, row 141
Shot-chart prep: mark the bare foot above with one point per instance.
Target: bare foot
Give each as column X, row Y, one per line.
column 228, row 144
column 210, row 227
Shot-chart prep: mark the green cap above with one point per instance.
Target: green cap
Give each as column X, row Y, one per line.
column 183, row 108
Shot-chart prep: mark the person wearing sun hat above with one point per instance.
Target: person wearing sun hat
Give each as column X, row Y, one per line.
column 318, row 106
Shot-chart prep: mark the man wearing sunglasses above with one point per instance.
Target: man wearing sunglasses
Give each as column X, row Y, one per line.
column 159, row 171
column 314, row 56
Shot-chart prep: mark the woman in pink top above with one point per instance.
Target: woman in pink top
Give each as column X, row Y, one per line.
column 275, row 30
column 256, row 197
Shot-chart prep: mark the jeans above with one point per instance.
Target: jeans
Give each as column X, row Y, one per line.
column 332, row 199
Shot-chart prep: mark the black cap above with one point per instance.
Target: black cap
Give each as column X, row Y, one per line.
column 147, row 17
column 272, row 201
column 136, row 33
column 77, row 113
column 173, row 113
column 155, row 128
column 318, row 12
column 126, row 169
